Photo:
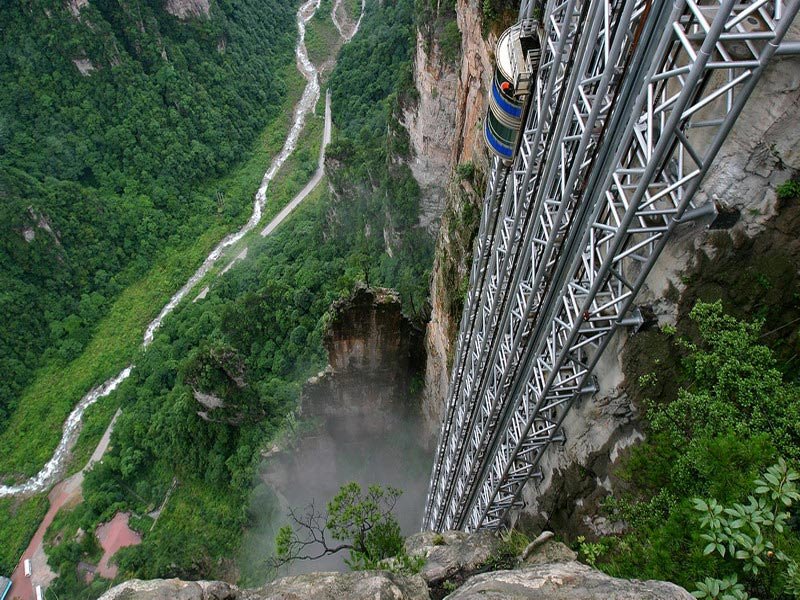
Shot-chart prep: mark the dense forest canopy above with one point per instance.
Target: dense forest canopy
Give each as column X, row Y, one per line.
column 257, row 334
column 112, row 116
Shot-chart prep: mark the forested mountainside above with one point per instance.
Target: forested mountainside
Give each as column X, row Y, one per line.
column 247, row 346
column 112, row 118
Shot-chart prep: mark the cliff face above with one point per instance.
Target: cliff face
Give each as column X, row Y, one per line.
column 360, row 417
column 460, row 193
column 186, row 9
column 760, row 153
column 374, row 353
column 429, row 122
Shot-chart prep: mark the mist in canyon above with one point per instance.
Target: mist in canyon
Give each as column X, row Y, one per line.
column 360, row 421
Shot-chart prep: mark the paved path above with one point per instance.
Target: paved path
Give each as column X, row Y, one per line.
column 287, row 210
column 65, row 493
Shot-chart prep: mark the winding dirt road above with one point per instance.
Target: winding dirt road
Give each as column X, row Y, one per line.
column 287, row 210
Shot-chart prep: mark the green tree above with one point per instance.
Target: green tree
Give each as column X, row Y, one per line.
column 357, row 520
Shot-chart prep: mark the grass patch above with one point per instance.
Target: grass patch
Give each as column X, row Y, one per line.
column 353, row 9
column 18, row 522
column 299, row 168
column 322, row 38
column 95, row 422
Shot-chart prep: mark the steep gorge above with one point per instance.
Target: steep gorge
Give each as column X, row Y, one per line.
column 263, row 340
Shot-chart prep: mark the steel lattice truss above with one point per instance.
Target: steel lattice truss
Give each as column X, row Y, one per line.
column 632, row 102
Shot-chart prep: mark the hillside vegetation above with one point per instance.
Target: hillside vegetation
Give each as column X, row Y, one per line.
column 114, row 120
column 256, row 336
column 723, row 416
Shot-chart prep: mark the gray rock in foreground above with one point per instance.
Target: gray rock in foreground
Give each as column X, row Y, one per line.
column 359, row 585
column 172, row 589
column 363, row 585
column 563, row 581
column 451, row 555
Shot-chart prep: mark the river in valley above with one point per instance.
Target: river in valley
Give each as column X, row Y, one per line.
column 52, row 474
column 55, row 468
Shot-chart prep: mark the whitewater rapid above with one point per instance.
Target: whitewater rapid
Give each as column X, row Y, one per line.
column 54, row 468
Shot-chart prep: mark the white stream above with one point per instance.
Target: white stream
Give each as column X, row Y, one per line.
column 54, row 468
column 341, row 28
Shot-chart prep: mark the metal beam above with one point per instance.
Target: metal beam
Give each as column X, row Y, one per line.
column 633, row 100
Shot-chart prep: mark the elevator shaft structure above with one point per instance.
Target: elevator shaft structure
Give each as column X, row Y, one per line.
column 630, row 104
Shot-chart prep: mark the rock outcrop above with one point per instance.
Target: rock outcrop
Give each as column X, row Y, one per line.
column 457, row 563
column 360, row 415
column 430, row 125
column 373, row 354
column 363, row 585
column 563, row 581
column 186, row 9
column 169, row 589
column 451, row 556
column 75, row 6
column 461, row 208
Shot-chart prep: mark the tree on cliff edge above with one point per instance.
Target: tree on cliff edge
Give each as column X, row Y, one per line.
column 360, row 521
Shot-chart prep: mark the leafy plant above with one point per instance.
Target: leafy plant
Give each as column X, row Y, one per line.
column 590, row 551
column 789, row 190
column 451, row 42
column 449, row 586
column 465, row 170
column 749, row 532
column 506, row 555
column 728, row 415
column 721, row 589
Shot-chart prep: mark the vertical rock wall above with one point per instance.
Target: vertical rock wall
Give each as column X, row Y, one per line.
column 458, row 195
column 429, row 122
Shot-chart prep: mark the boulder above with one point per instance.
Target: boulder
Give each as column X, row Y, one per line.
column 550, row 551
column 453, row 555
column 172, row 589
column 563, row 581
column 361, row 585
